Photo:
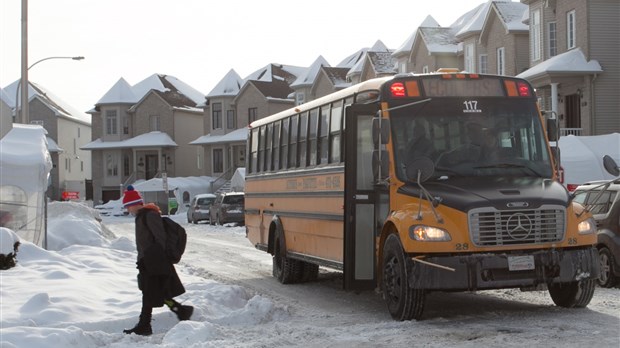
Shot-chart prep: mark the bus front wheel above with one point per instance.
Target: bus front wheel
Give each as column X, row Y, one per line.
column 574, row 294
column 404, row 302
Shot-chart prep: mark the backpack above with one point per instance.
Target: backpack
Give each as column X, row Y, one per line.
column 176, row 239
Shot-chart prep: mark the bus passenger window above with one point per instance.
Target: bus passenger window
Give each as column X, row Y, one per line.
column 276, row 146
column 334, row 129
column 312, row 137
column 292, row 158
column 261, row 150
column 254, row 151
column 323, row 131
column 268, row 153
column 284, row 141
column 302, row 144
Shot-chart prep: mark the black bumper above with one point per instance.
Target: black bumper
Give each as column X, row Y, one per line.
column 490, row 271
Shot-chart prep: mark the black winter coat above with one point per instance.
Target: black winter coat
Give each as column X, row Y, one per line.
column 157, row 276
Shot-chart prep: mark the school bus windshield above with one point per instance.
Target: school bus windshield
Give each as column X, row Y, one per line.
column 480, row 136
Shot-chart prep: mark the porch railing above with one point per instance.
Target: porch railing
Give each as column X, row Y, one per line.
column 222, row 179
column 571, row 131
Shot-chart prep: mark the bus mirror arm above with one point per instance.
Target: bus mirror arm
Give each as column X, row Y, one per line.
column 435, row 201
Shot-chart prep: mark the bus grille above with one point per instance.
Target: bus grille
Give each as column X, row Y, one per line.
column 492, row 227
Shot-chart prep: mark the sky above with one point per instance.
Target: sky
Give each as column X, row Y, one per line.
column 196, row 41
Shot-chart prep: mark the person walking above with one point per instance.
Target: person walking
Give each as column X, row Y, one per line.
column 157, row 277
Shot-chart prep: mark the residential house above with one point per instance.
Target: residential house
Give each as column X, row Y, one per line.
column 360, row 71
column 67, row 131
column 143, row 132
column 495, row 39
column 575, row 62
column 302, row 86
column 329, row 80
column 403, row 54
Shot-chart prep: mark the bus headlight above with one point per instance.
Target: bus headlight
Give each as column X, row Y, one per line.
column 587, row 226
column 428, row 234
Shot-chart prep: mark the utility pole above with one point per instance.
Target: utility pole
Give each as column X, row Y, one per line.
column 25, row 115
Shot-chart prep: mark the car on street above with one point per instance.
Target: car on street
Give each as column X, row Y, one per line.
column 199, row 207
column 602, row 198
column 228, row 207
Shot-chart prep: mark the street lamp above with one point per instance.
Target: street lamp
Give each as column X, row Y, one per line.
column 25, row 95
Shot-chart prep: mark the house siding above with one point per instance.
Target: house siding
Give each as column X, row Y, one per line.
column 604, row 30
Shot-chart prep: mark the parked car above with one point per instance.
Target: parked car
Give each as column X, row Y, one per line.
column 199, row 207
column 228, row 207
column 605, row 206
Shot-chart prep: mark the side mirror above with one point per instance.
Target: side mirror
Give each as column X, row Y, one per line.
column 380, row 130
column 552, row 130
column 380, row 165
column 610, row 166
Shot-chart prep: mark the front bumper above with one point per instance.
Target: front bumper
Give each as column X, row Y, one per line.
column 490, row 271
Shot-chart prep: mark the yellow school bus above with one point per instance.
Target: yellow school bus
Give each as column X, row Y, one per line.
column 419, row 183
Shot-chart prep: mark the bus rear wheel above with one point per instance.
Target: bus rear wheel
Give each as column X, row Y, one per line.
column 285, row 269
column 574, row 294
column 404, row 302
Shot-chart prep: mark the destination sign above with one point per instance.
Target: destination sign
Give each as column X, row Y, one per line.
column 463, row 87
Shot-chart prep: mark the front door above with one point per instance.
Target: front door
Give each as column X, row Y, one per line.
column 360, row 198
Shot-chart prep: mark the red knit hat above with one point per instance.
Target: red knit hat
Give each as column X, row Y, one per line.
column 131, row 197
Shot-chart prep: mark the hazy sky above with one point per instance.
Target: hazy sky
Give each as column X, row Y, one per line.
column 197, row 41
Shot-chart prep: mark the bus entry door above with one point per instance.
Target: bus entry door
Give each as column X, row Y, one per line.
column 360, row 222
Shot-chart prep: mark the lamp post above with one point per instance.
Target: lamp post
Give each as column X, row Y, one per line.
column 25, row 116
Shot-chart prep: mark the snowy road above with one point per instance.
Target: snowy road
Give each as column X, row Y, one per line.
column 321, row 314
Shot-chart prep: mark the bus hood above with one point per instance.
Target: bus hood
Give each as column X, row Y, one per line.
column 506, row 193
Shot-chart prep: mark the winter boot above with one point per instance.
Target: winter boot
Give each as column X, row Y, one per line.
column 143, row 328
column 183, row 312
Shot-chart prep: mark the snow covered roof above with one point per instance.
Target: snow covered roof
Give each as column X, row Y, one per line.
column 337, row 75
column 406, row 47
column 512, row 14
column 52, row 146
column 121, row 92
column 57, row 105
column 307, row 78
column 176, row 92
column 228, row 86
column 382, row 62
column 571, row 62
column 152, row 139
column 235, row 136
column 439, row 40
column 379, row 46
column 276, row 72
column 351, row 60
column 475, row 21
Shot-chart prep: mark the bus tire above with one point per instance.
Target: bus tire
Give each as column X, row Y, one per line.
column 285, row 269
column 574, row 294
column 309, row 271
column 606, row 278
column 403, row 302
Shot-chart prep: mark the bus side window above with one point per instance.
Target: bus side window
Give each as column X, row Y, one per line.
column 293, row 158
column 312, row 137
column 261, row 150
column 276, row 146
column 303, row 138
column 323, row 135
column 335, row 133
column 254, row 151
column 284, row 141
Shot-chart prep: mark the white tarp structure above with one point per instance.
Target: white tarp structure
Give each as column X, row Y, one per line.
column 25, row 166
column 582, row 157
column 237, row 182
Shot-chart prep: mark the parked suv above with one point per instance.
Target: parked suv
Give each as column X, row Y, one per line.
column 198, row 209
column 228, row 207
column 605, row 207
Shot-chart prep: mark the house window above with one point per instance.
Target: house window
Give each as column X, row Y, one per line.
column 125, row 125
column 126, row 165
column 78, row 132
column 199, row 157
column 111, row 166
column 501, row 69
column 536, row 35
column 110, row 122
column 552, row 39
column 483, row 64
column 469, row 58
column 570, row 29
column 252, row 115
column 425, row 69
column 154, row 124
column 82, row 166
column 299, row 98
column 38, row 122
column 216, row 115
column 218, row 160
column 230, row 119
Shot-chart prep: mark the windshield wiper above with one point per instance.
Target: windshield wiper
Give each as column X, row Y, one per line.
column 508, row 165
